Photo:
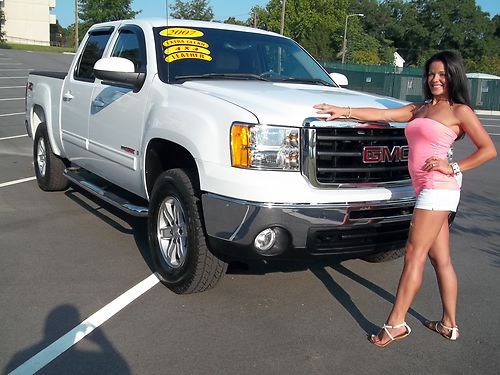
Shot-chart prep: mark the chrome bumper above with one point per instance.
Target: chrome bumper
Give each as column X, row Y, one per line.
column 236, row 222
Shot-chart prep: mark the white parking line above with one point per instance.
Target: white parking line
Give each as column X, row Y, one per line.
column 10, row 183
column 13, row 137
column 12, row 99
column 14, row 70
column 13, row 77
column 12, row 87
column 12, row 114
column 59, row 346
column 9, row 63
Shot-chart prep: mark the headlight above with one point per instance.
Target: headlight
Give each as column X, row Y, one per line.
column 265, row 147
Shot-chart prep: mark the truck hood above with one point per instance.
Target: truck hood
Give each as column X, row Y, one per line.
column 286, row 103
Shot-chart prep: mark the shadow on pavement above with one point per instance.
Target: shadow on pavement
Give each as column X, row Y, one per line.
column 104, row 359
column 138, row 226
column 339, row 293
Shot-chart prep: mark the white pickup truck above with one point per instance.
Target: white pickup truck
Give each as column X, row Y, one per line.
column 209, row 131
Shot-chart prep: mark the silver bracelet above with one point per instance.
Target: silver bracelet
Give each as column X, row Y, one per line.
column 456, row 168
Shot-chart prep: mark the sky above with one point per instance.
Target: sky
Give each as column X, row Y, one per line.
column 223, row 9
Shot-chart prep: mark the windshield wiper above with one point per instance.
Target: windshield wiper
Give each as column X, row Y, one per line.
column 221, row 76
column 315, row 81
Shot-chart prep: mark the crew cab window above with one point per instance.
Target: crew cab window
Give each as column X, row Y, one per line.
column 130, row 45
column 94, row 48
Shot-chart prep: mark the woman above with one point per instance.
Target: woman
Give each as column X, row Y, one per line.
column 434, row 125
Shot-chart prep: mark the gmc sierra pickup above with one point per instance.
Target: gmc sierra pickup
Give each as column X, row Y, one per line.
column 209, row 131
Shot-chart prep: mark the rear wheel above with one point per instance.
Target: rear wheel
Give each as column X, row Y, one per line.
column 49, row 167
column 182, row 260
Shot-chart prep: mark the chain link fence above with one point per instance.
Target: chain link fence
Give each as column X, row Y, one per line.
column 406, row 83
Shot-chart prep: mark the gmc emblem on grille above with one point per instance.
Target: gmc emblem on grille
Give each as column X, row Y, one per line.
column 382, row 154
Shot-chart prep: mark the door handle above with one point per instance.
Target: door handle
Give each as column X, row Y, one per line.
column 67, row 96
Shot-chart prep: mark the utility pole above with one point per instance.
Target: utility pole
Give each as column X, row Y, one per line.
column 76, row 25
column 282, row 27
column 255, row 18
column 344, row 44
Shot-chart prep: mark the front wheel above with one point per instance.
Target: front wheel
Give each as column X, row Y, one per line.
column 49, row 167
column 182, row 260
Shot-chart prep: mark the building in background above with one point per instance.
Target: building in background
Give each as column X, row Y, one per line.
column 28, row 21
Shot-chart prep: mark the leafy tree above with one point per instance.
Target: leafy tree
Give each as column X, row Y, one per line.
column 2, row 21
column 316, row 24
column 381, row 20
column 96, row 11
column 365, row 57
column 234, row 21
column 192, row 10
column 68, row 35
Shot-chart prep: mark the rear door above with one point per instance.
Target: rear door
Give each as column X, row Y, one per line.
column 76, row 96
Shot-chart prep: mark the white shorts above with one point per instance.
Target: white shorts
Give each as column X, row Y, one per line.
column 438, row 200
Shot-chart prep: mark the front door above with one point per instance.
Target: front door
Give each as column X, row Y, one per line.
column 117, row 118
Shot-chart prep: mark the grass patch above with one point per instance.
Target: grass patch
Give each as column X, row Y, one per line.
column 31, row 47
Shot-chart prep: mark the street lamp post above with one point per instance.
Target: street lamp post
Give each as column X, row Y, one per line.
column 344, row 45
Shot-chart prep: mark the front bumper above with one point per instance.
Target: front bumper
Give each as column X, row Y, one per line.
column 312, row 230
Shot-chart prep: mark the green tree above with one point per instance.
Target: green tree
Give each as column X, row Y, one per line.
column 378, row 23
column 96, row 11
column 234, row 21
column 192, row 10
column 426, row 26
column 2, row 22
column 68, row 35
column 316, row 24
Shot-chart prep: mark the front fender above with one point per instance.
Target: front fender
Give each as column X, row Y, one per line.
column 196, row 121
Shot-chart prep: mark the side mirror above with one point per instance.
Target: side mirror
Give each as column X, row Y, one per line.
column 120, row 71
column 339, row 79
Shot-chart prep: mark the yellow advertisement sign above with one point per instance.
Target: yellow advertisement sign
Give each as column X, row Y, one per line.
column 181, row 32
column 177, row 41
column 187, row 55
column 175, row 49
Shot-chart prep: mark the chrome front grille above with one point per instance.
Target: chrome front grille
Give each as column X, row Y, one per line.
column 344, row 155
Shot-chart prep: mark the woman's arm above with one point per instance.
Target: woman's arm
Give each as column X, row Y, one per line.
column 471, row 125
column 401, row 114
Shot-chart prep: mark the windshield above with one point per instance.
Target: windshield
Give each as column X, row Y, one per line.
column 204, row 53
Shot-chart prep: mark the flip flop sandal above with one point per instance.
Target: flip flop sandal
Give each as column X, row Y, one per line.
column 433, row 326
column 386, row 328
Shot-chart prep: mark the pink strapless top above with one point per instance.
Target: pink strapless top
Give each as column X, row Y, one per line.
column 427, row 137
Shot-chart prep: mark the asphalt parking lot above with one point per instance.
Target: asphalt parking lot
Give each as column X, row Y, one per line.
column 66, row 256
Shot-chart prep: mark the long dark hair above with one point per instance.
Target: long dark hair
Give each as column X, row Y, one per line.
column 458, row 89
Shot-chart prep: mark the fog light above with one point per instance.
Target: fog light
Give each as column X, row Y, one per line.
column 265, row 240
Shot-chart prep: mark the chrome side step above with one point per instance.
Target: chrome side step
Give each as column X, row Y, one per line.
column 109, row 193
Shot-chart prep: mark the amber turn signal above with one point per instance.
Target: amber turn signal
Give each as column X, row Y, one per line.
column 240, row 142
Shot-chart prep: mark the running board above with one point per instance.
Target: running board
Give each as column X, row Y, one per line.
column 109, row 193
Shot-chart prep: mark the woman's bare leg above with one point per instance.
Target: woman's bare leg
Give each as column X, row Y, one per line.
column 439, row 255
column 426, row 225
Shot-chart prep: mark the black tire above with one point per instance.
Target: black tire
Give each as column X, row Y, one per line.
column 175, row 224
column 384, row 256
column 49, row 167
